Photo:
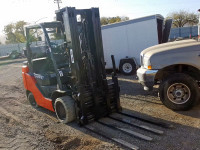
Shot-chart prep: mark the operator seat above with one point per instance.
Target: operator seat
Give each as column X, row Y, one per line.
column 43, row 73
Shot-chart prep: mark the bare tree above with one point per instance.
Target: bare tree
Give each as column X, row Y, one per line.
column 193, row 19
column 109, row 20
column 182, row 18
column 15, row 32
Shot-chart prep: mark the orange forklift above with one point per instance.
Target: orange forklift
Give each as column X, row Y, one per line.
column 65, row 73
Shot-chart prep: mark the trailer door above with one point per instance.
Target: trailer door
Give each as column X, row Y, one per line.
column 166, row 31
column 160, row 30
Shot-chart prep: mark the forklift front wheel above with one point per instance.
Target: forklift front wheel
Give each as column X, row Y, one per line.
column 32, row 101
column 65, row 109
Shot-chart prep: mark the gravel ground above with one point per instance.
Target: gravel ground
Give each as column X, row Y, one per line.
column 23, row 127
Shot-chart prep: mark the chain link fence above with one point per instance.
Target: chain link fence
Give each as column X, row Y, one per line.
column 184, row 32
column 7, row 49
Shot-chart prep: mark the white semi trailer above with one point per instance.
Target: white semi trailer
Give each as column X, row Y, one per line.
column 125, row 40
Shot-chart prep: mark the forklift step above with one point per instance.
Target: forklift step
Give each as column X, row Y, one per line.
column 127, row 131
column 126, row 121
column 116, row 140
column 158, row 123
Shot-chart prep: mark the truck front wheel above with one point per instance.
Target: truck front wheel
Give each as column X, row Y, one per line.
column 179, row 92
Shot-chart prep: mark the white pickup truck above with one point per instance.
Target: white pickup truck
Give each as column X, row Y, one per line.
column 175, row 67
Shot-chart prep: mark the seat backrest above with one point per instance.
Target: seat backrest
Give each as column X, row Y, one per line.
column 40, row 65
column 38, row 51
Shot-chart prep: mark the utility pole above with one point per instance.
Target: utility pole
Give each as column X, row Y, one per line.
column 199, row 26
column 58, row 2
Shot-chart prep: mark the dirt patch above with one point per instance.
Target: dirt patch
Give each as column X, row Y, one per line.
column 54, row 137
column 70, row 142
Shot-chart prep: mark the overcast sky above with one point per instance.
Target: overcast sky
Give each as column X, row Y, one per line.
column 43, row 10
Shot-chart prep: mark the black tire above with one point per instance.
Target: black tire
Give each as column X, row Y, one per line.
column 32, row 101
column 179, row 92
column 127, row 67
column 65, row 109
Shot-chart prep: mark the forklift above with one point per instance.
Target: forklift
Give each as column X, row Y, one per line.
column 65, row 72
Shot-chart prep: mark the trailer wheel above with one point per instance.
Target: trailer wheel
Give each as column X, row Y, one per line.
column 65, row 109
column 179, row 92
column 127, row 67
column 32, row 101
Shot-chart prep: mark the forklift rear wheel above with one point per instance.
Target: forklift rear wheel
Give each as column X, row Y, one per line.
column 65, row 109
column 32, row 101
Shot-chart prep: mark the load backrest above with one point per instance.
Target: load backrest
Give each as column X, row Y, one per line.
column 83, row 36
